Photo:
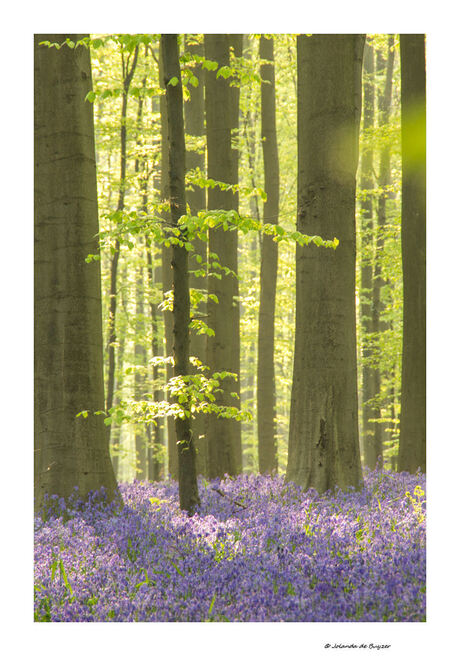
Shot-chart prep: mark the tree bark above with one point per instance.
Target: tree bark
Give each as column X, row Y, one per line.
column 142, row 434
column 221, row 102
column 266, row 393
column 155, row 276
column 248, row 364
column 69, row 451
column 323, row 432
column 155, row 461
column 116, row 433
column 375, row 451
column 167, row 274
column 140, row 360
column 250, row 118
column 188, row 488
column 412, row 443
column 112, row 336
column 196, row 199
column 367, row 231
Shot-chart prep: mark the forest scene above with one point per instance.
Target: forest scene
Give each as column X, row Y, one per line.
column 229, row 328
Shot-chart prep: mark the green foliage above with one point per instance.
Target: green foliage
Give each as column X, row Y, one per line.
column 145, row 220
column 190, row 395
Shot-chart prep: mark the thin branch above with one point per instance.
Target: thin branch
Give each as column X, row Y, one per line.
column 222, row 494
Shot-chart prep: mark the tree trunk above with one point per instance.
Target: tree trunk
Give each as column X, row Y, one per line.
column 196, row 199
column 249, row 132
column 375, row 452
column 221, row 102
column 155, row 271
column 266, row 393
column 188, row 488
column 323, row 432
column 117, row 431
column 412, row 443
column 236, row 47
column 155, row 452
column 167, row 274
column 142, row 432
column 367, row 228
column 140, row 360
column 70, row 451
column 112, row 337
column 248, row 363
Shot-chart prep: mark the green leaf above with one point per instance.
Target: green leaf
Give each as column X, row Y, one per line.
column 211, row 605
column 224, row 71
column 53, row 569
column 173, row 81
column 64, row 577
column 210, row 65
column 90, row 96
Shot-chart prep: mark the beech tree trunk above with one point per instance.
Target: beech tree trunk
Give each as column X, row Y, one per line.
column 70, row 451
column 167, row 274
column 266, row 393
column 140, row 359
column 188, row 488
column 248, row 364
column 128, row 72
column 116, row 434
column 323, row 432
column 412, row 443
column 221, row 103
column 155, row 464
column 367, row 228
column 196, row 199
column 375, row 450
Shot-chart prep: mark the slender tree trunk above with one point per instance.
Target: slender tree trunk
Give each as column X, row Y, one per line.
column 412, row 443
column 154, row 270
column 266, row 393
column 384, row 180
column 248, row 364
column 70, row 451
column 248, row 396
column 117, row 431
column 221, row 102
column 188, row 488
column 155, row 458
column 323, row 433
column 141, row 431
column 112, row 338
column 236, row 46
column 196, row 199
column 140, row 359
column 367, row 231
column 249, row 124
column 167, row 273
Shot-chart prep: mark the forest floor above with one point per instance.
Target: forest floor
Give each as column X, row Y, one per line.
column 258, row 550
